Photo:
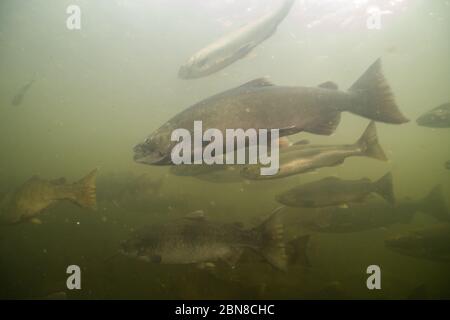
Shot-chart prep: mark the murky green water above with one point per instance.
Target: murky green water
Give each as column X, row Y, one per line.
column 101, row 89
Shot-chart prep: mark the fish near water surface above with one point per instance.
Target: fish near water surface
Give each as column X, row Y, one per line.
column 439, row 117
column 301, row 158
column 234, row 46
column 196, row 240
column 332, row 191
column 37, row 194
column 259, row 104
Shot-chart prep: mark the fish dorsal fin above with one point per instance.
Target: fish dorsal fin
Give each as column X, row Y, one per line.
column 257, row 83
column 329, row 85
column 198, row 215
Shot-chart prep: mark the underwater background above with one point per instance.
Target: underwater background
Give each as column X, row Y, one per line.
column 100, row 90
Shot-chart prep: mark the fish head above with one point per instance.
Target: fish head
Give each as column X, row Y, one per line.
column 199, row 65
column 155, row 150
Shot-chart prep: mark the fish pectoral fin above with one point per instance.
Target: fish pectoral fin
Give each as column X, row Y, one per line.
column 287, row 131
column 329, row 85
column 243, row 51
column 198, row 215
column 210, row 266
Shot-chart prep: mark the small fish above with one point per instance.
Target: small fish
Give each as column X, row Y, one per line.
column 429, row 242
column 259, row 104
column 20, row 95
column 196, row 240
column 447, row 165
column 302, row 158
column 439, row 117
column 234, row 46
column 37, row 194
column 333, row 191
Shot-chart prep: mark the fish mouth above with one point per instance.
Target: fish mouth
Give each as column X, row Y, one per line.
column 150, row 160
column 153, row 158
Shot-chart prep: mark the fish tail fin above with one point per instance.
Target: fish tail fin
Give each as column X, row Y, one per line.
column 272, row 243
column 373, row 98
column 434, row 204
column 85, row 191
column 369, row 143
column 296, row 250
column 385, row 188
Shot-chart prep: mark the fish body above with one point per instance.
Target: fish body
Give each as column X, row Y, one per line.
column 300, row 158
column 259, row 104
column 332, row 191
column 196, row 240
column 37, row 194
column 447, row 165
column 375, row 214
column 234, row 46
column 439, row 117
column 430, row 242
column 210, row 173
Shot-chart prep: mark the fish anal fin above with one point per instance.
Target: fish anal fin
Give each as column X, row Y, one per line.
column 329, row 85
column 327, row 126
